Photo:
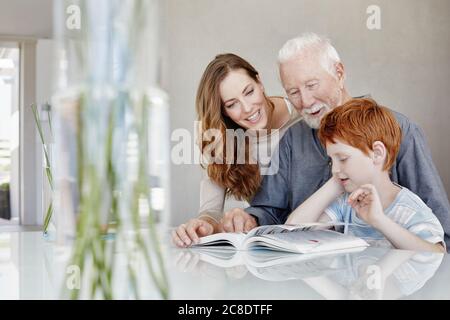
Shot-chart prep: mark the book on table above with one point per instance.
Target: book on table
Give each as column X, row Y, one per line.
column 305, row 238
column 272, row 252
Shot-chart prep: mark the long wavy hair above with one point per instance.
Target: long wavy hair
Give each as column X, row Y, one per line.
column 240, row 180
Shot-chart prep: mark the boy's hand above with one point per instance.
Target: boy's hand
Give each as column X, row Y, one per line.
column 366, row 201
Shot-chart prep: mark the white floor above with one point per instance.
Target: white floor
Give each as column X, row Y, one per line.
column 13, row 221
column 13, row 226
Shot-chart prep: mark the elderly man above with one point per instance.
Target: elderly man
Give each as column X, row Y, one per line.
column 314, row 79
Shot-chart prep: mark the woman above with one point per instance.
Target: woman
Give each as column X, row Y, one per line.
column 231, row 96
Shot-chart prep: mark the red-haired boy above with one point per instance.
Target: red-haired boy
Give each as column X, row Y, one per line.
column 363, row 140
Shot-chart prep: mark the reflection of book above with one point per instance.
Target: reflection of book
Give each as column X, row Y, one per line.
column 307, row 238
column 276, row 265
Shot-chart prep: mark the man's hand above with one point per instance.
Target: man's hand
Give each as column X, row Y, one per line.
column 366, row 202
column 188, row 233
column 237, row 220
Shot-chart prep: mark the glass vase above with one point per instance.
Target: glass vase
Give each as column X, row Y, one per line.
column 111, row 139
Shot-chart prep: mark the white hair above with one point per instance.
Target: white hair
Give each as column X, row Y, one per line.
column 307, row 41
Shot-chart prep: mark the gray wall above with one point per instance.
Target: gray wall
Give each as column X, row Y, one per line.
column 26, row 18
column 405, row 65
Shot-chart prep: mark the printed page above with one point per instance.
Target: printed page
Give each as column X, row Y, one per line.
column 305, row 241
column 234, row 240
column 280, row 228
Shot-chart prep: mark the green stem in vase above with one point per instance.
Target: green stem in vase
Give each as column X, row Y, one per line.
column 48, row 216
column 132, row 277
column 142, row 191
column 37, row 120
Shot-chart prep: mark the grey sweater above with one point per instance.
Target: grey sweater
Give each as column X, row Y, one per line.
column 304, row 167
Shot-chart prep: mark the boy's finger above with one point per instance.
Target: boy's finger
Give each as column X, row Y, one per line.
column 354, row 195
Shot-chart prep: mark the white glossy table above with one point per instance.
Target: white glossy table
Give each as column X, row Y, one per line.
column 33, row 268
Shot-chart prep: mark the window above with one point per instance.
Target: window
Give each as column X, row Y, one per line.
column 9, row 132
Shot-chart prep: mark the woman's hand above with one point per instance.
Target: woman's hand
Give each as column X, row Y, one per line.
column 188, row 233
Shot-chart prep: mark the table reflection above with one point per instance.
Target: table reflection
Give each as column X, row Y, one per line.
column 370, row 273
column 33, row 268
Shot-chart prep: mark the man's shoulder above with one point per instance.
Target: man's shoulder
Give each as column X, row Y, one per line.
column 408, row 126
column 405, row 123
column 401, row 118
column 300, row 125
column 297, row 131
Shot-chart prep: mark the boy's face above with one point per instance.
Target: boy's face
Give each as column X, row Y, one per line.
column 350, row 165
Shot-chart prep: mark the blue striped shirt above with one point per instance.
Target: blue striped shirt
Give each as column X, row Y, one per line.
column 407, row 210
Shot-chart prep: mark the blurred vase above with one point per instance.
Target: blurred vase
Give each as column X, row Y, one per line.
column 111, row 135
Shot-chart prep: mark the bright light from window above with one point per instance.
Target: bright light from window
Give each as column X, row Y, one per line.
column 6, row 64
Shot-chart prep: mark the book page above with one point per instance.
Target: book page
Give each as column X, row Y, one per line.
column 305, row 241
column 280, row 228
column 234, row 240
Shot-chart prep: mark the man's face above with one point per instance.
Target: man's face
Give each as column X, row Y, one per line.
column 311, row 89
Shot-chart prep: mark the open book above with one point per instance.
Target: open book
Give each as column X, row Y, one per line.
column 305, row 238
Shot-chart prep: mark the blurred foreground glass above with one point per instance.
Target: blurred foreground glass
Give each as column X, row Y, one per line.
column 111, row 141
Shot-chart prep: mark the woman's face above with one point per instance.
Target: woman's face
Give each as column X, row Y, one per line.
column 243, row 100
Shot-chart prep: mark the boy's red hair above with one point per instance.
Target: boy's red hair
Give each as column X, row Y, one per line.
column 361, row 122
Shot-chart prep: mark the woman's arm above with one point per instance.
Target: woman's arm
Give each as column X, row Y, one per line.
column 212, row 198
column 312, row 209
